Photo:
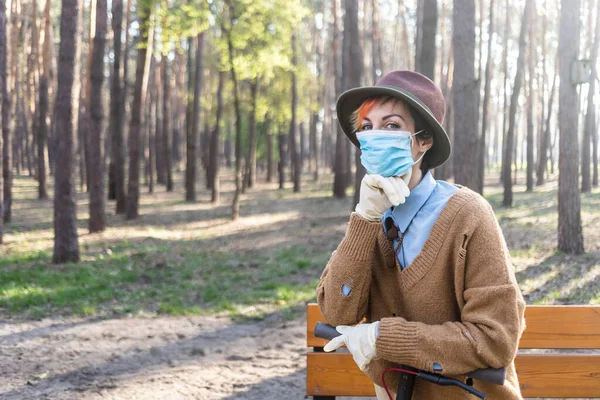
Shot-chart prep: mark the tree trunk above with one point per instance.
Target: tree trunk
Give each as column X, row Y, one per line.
column 141, row 82
column 166, row 130
column 227, row 146
column 486, row 100
column 352, row 71
column 570, row 236
column 590, row 122
column 235, row 209
column 376, row 50
column 125, row 100
column 3, row 100
column 269, row 137
column 505, row 86
column 418, row 33
column 445, row 171
column 150, row 128
column 251, row 158
column 531, row 99
column 97, row 222
column 464, row 95
column 282, row 144
column 161, row 177
column 32, row 84
column 514, row 102
column 5, row 126
column 545, row 142
column 66, row 246
column 214, row 143
column 44, row 83
column 428, row 48
column 296, row 158
column 314, row 149
column 193, row 116
column 116, row 111
column 339, row 178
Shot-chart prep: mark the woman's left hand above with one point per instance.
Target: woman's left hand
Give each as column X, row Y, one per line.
column 360, row 340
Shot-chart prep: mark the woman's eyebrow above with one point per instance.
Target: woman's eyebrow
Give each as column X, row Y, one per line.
column 392, row 115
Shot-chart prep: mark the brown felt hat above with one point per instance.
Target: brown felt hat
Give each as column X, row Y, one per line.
column 420, row 92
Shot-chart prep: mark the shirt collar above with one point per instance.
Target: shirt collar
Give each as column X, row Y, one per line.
column 404, row 213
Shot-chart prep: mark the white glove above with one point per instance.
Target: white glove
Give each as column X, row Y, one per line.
column 360, row 340
column 377, row 194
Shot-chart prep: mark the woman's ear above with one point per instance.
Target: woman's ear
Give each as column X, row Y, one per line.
column 424, row 144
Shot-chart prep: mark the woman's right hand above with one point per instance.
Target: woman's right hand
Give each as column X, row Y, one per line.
column 378, row 193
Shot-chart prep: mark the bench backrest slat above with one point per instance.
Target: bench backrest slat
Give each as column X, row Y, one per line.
column 548, row 327
column 540, row 375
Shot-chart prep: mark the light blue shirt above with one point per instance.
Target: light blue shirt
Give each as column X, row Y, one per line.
column 417, row 215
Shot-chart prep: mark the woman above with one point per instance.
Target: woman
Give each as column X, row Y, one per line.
column 424, row 262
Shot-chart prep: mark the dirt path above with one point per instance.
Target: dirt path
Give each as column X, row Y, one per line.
column 157, row 358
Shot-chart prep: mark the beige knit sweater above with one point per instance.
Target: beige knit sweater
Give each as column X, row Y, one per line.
column 457, row 304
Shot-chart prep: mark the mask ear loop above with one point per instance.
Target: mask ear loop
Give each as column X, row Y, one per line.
column 411, row 143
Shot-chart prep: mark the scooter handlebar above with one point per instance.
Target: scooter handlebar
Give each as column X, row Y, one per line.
column 491, row 375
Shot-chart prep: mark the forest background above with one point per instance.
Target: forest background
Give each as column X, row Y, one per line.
column 174, row 178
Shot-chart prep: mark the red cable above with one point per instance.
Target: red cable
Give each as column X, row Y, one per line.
column 406, row 371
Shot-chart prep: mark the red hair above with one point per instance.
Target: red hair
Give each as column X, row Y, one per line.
column 361, row 112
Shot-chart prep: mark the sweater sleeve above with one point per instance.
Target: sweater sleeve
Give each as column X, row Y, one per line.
column 491, row 323
column 343, row 290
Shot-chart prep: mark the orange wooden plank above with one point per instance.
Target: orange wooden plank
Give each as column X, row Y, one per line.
column 560, row 376
column 561, row 327
column 313, row 315
column 336, row 374
column 548, row 327
column 540, row 375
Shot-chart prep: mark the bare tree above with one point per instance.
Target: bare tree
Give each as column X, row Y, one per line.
column 296, row 158
column 250, row 174
column 464, row 95
column 166, row 128
column 570, row 236
column 66, row 245
column 377, row 52
column 339, row 178
column 43, row 103
column 514, row 102
column 428, row 48
column 352, row 71
column 590, row 117
column 505, row 85
column 531, row 97
column 282, row 146
column 213, row 167
column 117, row 158
column 486, row 100
column 193, row 117
column 139, row 97
column 3, row 99
column 235, row 208
column 97, row 221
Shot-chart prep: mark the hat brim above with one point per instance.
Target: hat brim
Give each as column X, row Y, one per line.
column 351, row 99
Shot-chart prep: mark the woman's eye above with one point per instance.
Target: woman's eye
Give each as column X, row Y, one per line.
column 366, row 127
column 392, row 125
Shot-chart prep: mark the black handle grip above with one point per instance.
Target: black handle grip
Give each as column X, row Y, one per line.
column 443, row 381
column 325, row 331
column 491, row 375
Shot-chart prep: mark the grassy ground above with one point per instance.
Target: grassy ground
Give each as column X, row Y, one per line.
column 181, row 258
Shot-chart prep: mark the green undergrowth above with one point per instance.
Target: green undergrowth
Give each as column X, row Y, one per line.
column 175, row 279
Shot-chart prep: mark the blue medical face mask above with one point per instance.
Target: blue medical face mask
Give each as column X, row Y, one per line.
column 386, row 153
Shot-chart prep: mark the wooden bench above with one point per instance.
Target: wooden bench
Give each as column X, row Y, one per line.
column 564, row 375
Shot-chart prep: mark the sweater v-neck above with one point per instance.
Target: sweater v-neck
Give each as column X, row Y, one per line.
column 410, row 275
